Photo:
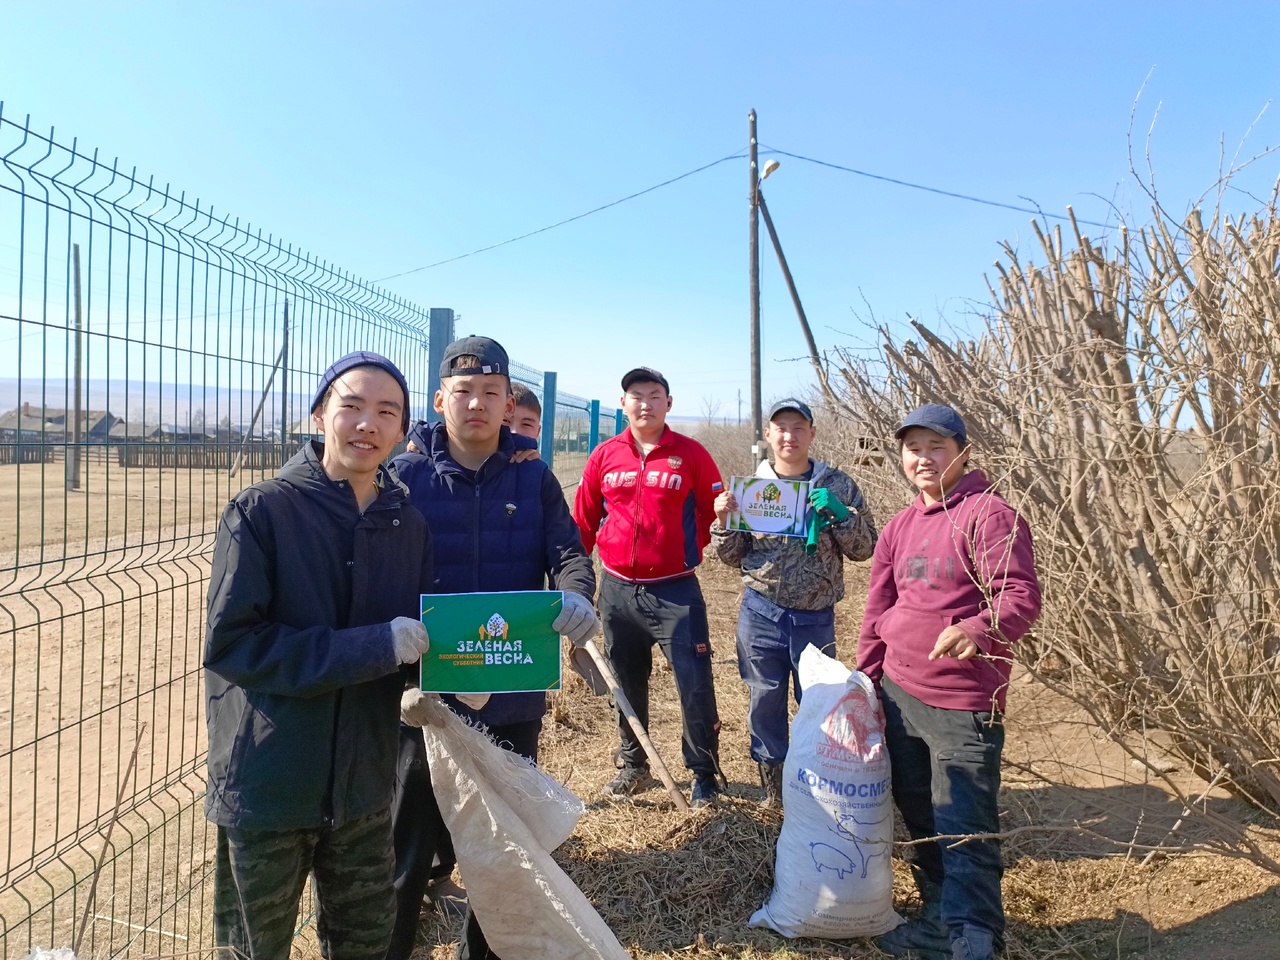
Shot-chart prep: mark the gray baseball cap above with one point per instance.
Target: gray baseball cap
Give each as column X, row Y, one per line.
column 791, row 403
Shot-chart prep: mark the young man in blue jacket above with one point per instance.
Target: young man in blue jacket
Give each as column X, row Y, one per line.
column 313, row 600
column 497, row 525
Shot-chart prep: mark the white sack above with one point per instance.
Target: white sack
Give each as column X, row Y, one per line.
column 506, row 816
column 832, row 876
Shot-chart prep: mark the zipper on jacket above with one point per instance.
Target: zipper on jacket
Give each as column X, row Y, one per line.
column 475, row 540
column 635, row 509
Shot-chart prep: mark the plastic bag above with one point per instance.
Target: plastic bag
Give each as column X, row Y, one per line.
column 832, row 875
column 506, row 816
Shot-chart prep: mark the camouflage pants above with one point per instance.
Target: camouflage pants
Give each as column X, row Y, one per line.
column 258, row 881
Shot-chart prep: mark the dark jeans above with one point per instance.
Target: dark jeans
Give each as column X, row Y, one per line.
column 946, row 777
column 258, row 880
column 673, row 615
column 770, row 640
column 420, row 836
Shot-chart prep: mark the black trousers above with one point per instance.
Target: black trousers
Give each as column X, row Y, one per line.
column 420, row 836
column 946, row 782
column 673, row 615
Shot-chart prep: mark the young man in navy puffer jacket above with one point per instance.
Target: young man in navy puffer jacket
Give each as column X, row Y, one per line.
column 497, row 525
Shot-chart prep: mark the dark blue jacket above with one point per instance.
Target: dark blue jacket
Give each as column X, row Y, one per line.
column 507, row 529
column 300, row 669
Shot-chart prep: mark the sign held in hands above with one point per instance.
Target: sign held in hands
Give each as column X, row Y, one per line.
column 769, row 505
column 491, row 642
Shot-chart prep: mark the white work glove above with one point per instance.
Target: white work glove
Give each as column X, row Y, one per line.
column 577, row 620
column 419, row 709
column 410, row 639
column 473, row 701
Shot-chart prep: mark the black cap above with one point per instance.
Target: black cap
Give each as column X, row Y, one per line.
column 644, row 375
column 791, row 403
column 362, row 358
column 492, row 358
column 937, row 417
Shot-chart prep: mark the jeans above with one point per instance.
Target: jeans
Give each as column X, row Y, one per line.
column 673, row 615
column 946, row 777
column 258, row 880
column 770, row 640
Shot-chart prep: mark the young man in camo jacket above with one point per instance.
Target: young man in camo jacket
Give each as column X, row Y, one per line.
column 791, row 588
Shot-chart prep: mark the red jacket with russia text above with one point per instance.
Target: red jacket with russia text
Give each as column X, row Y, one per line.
column 650, row 515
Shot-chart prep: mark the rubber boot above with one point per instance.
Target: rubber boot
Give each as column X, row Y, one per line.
column 771, row 780
column 926, row 938
column 974, row 943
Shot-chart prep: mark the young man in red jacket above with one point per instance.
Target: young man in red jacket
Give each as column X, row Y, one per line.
column 646, row 500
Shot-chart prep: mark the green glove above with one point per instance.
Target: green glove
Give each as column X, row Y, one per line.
column 812, row 530
column 827, row 507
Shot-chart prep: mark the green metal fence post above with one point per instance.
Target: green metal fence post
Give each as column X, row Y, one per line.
column 593, row 433
column 619, row 421
column 439, row 336
column 549, row 417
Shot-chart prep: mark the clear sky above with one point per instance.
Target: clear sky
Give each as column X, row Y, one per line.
column 386, row 136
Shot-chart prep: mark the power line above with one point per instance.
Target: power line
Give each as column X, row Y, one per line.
column 561, row 223
column 738, row 156
column 944, row 193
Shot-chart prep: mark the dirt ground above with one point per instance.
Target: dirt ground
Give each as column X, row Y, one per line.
column 101, row 614
column 670, row 884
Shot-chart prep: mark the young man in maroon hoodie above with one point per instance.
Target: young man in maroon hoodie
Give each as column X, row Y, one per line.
column 953, row 584
column 647, row 501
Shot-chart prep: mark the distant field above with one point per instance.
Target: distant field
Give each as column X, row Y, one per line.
column 101, row 625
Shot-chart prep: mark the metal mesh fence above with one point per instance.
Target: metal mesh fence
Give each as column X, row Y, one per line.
column 188, row 343
column 155, row 358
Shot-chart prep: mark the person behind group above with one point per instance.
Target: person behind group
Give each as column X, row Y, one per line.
column 313, row 603
column 953, row 584
column 646, row 501
column 791, row 588
column 498, row 525
column 526, row 415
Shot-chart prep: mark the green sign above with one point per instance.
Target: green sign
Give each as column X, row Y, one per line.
column 491, row 642
column 769, row 505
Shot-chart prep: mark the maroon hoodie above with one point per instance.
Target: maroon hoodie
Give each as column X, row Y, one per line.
column 966, row 560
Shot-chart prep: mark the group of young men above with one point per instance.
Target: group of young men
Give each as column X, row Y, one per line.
column 313, row 636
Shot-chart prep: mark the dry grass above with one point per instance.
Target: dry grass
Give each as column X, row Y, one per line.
column 674, row 885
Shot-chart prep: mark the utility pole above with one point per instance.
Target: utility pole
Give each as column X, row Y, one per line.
column 284, row 387
column 754, row 255
column 73, row 452
column 739, row 405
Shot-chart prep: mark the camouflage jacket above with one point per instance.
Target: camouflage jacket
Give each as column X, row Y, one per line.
column 777, row 567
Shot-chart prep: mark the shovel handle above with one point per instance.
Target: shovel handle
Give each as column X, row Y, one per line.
column 620, row 698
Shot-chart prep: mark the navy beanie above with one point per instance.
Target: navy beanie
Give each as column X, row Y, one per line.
column 362, row 358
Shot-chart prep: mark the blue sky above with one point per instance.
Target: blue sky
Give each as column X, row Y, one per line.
column 388, row 136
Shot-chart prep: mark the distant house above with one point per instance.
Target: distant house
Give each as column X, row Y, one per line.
column 304, row 429
column 127, row 432
column 180, row 433
column 17, row 427
column 55, row 425
column 223, row 435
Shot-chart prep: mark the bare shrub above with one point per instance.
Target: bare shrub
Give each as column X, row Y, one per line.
column 1123, row 397
column 728, row 443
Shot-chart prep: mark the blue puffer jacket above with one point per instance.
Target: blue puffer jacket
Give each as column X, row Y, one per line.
column 509, row 528
column 300, row 668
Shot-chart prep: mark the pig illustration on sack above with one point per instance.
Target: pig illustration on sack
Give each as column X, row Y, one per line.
column 827, row 857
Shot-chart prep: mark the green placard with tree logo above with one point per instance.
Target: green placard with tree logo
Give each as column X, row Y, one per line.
column 770, row 505
column 491, row 642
